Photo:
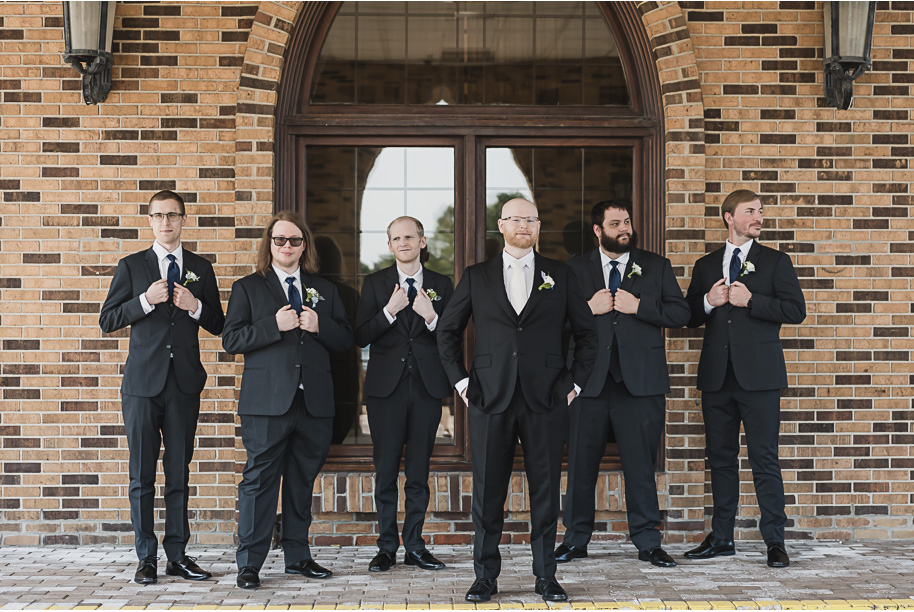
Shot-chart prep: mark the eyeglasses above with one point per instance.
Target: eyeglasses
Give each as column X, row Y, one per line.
column 519, row 220
column 172, row 216
column 282, row 240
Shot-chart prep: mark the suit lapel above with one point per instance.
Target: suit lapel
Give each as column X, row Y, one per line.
column 629, row 279
column 495, row 277
column 276, row 289
column 535, row 293
column 755, row 253
column 152, row 266
column 596, row 271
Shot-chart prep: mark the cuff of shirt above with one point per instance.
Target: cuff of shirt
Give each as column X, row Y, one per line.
column 147, row 307
column 708, row 307
column 195, row 315
column 462, row 385
column 577, row 390
column 431, row 326
column 390, row 317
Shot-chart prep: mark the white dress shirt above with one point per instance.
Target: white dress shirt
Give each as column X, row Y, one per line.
column 418, row 285
column 728, row 255
column 162, row 254
column 282, row 276
column 623, row 263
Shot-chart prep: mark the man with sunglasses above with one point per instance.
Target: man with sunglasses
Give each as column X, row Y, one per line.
column 286, row 321
column 165, row 294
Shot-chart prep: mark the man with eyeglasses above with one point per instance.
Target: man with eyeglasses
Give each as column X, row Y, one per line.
column 518, row 387
column 165, row 294
column 286, row 321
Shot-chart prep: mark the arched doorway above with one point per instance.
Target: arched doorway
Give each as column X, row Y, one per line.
column 556, row 100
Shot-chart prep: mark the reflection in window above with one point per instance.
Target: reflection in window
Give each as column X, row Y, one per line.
column 564, row 183
column 353, row 193
column 470, row 53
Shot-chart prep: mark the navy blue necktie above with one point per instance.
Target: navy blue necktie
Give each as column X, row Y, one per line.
column 173, row 276
column 294, row 295
column 615, row 278
column 735, row 266
column 411, row 293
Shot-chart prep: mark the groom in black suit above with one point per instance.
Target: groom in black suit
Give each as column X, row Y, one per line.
column 285, row 320
column 165, row 294
column 634, row 297
column 742, row 293
column 518, row 387
column 398, row 314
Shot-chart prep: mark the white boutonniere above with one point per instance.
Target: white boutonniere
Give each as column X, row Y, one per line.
column 748, row 268
column 190, row 277
column 548, row 283
column 313, row 296
column 635, row 271
column 432, row 295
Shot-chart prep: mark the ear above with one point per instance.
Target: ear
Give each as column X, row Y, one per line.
column 597, row 231
column 423, row 242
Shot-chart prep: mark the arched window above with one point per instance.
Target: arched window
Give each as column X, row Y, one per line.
column 443, row 111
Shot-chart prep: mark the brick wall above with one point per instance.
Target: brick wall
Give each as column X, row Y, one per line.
column 192, row 110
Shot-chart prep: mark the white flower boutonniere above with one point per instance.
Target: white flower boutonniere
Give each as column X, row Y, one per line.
column 635, row 271
column 548, row 282
column 748, row 268
column 190, row 277
column 432, row 295
column 313, row 296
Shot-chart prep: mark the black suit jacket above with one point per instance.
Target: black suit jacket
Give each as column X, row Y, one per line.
column 275, row 362
column 509, row 345
column 391, row 343
column 166, row 330
column 751, row 336
column 642, row 351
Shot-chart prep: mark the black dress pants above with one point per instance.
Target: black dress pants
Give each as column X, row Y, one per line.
column 284, row 452
column 492, row 439
column 760, row 414
column 170, row 416
column 638, row 425
column 408, row 417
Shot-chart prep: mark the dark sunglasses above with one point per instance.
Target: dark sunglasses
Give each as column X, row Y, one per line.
column 282, row 240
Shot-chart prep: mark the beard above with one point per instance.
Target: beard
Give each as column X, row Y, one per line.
column 520, row 242
column 612, row 245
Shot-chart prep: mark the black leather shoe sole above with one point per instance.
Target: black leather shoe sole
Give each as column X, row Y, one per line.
column 144, row 580
column 711, row 555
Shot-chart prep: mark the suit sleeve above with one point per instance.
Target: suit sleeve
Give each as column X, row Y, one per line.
column 787, row 305
column 370, row 322
column 695, row 297
column 211, row 317
column 445, row 300
column 334, row 331
column 450, row 330
column 121, row 307
column 669, row 309
column 584, row 331
column 241, row 333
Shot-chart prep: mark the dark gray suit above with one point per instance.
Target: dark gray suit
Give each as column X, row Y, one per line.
column 160, row 391
column 626, row 391
column 741, row 372
column 403, row 389
column 285, row 430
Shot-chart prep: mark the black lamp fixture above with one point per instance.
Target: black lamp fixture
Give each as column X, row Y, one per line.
column 87, row 31
column 848, row 43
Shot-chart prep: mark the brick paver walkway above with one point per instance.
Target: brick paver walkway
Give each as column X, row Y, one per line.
column 822, row 575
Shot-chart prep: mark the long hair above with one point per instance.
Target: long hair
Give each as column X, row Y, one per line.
column 309, row 261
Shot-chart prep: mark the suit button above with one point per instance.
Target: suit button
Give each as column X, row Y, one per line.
column 172, row 324
column 301, row 341
column 168, row 346
column 729, row 321
column 297, row 365
column 410, row 339
column 609, row 348
column 725, row 346
column 615, row 322
column 402, row 359
column 520, row 329
column 514, row 354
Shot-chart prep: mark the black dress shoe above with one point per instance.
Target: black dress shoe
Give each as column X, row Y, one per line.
column 187, row 568
column 657, row 556
column 565, row 553
column 248, row 578
column 424, row 559
column 712, row 547
column 482, row 590
column 309, row 569
column 777, row 555
column 146, row 571
column 550, row 589
column 382, row 561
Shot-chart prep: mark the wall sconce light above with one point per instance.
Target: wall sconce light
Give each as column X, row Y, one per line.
column 88, row 28
column 848, row 43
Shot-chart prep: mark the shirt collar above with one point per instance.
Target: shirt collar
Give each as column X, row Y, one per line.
column 743, row 250
column 161, row 252
column 282, row 276
column 622, row 259
column 508, row 259
column 403, row 276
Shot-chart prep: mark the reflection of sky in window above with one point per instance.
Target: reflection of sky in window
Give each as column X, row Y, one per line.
column 419, row 181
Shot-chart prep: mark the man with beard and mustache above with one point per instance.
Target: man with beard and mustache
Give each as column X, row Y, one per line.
column 518, row 387
column 742, row 293
column 635, row 296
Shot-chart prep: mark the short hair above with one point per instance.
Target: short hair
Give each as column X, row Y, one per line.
column 598, row 212
column 420, row 230
column 167, row 194
column 740, row 196
column 309, row 260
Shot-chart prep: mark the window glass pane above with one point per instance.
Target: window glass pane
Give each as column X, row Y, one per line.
column 470, row 53
column 353, row 193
